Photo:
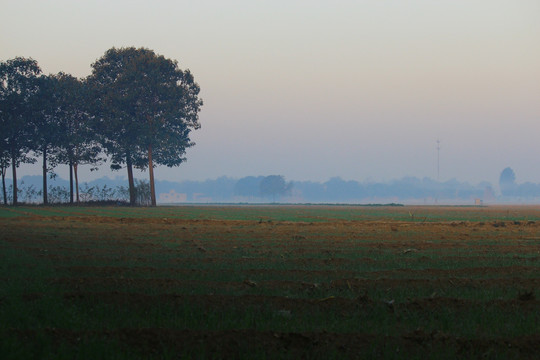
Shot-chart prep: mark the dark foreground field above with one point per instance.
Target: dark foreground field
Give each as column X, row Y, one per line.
column 270, row 282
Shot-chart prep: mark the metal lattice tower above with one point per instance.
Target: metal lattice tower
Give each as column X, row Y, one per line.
column 438, row 158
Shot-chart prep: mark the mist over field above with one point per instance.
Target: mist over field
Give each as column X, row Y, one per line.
column 252, row 189
column 358, row 90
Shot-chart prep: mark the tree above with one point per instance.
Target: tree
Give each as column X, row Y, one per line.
column 507, row 182
column 45, row 127
column 18, row 87
column 77, row 140
column 249, row 186
column 4, row 165
column 147, row 109
column 274, row 185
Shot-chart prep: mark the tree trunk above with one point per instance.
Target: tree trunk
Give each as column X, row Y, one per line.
column 4, row 185
column 70, row 182
column 132, row 195
column 151, row 171
column 45, row 199
column 14, row 171
column 76, row 181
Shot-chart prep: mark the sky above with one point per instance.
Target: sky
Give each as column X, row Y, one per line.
column 316, row 89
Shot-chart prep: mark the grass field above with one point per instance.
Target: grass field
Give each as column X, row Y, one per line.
column 259, row 282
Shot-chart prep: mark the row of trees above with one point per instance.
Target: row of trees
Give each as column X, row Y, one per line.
column 335, row 190
column 136, row 107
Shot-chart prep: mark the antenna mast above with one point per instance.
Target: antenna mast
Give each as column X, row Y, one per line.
column 438, row 158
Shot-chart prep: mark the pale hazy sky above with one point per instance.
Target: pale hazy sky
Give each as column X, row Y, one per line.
column 316, row 89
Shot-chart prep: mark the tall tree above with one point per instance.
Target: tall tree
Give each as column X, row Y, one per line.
column 77, row 143
column 4, row 165
column 507, row 182
column 18, row 87
column 4, row 155
column 148, row 107
column 45, row 126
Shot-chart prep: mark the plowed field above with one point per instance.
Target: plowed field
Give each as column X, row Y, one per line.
column 313, row 282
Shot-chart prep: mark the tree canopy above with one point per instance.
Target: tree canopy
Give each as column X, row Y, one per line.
column 507, row 182
column 18, row 89
column 77, row 142
column 146, row 108
column 136, row 106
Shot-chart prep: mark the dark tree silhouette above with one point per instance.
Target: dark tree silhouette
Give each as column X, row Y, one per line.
column 147, row 107
column 45, row 134
column 4, row 165
column 18, row 87
column 507, row 182
column 77, row 140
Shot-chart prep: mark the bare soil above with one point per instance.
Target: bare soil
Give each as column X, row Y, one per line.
column 294, row 269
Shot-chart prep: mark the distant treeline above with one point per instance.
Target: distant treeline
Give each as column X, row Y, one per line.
column 336, row 190
column 274, row 188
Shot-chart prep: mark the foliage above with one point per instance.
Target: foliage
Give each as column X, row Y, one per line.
column 103, row 194
column 142, row 191
column 58, row 194
column 10, row 193
column 18, row 89
column 146, row 107
column 137, row 105
column 77, row 142
column 45, row 126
